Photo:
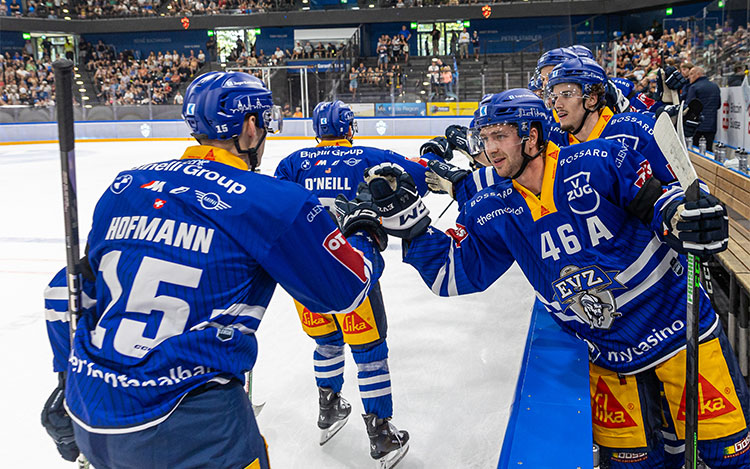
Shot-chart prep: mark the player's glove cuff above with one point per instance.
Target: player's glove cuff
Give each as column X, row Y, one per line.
column 442, row 177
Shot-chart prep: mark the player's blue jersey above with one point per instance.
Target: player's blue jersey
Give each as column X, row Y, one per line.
column 336, row 167
column 636, row 130
column 638, row 102
column 187, row 254
column 605, row 275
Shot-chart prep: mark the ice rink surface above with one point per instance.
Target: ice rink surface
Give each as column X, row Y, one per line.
column 454, row 361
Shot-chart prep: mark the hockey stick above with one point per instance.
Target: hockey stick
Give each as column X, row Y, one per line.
column 678, row 158
column 445, row 209
column 64, row 104
column 249, row 390
column 64, row 109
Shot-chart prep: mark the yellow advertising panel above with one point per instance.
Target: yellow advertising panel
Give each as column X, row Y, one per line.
column 452, row 109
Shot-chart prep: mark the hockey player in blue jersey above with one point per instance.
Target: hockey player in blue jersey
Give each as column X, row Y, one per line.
column 603, row 248
column 336, row 166
column 576, row 89
column 183, row 258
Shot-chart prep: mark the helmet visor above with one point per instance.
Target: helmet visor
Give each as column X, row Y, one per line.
column 273, row 119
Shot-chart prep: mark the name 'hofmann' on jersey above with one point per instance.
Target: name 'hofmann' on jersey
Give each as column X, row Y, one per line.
column 156, row 230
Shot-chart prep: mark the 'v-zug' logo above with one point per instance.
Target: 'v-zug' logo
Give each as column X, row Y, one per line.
column 582, row 198
column 211, row 201
column 587, row 293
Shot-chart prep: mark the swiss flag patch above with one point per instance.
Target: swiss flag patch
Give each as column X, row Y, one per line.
column 644, row 172
column 458, row 234
column 648, row 102
column 336, row 244
column 158, row 203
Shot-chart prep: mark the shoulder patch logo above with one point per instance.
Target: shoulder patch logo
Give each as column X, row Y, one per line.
column 121, row 183
column 211, row 201
column 158, row 203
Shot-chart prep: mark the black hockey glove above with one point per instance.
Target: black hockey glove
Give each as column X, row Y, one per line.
column 394, row 192
column 361, row 215
column 439, row 146
column 673, row 78
column 457, row 137
column 615, row 100
column 700, row 227
column 442, row 177
column 58, row 424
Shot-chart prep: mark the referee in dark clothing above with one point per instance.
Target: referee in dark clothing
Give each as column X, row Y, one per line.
column 708, row 93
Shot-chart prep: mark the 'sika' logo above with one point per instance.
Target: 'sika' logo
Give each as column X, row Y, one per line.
column 607, row 411
column 711, row 403
column 354, row 324
column 310, row 319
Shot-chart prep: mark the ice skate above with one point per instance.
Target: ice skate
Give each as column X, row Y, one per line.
column 334, row 413
column 388, row 445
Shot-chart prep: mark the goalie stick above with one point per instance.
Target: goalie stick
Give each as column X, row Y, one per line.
column 674, row 151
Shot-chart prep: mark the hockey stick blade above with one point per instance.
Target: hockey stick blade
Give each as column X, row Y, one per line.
column 258, row 408
column 675, row 153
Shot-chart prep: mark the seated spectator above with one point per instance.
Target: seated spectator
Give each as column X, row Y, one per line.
column 297, row 112
column 278, row 56
column 297, row 51
column 308, row 50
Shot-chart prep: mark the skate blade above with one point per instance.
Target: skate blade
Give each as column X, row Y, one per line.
column 394, row 457
column 329, row 432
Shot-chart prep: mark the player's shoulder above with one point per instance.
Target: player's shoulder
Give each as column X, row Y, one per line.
column 489, row 198
column 588, row 153
column 637, row 120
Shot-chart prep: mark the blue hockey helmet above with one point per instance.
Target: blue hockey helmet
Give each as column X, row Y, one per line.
column 554, row 57
column 517, row 106
column 535, row 82
column 580, row 70
column 332, row 119
column 581, row 51
column 216, row 104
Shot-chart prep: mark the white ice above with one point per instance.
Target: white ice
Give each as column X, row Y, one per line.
column 454, row 361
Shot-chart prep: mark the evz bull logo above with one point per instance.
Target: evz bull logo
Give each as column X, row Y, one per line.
column 587, row 293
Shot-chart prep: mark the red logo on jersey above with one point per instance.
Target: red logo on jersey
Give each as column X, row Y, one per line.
column 648, row 102
column 554, row 154
column 354, row 324
column 458, row 234
column 311, row 319
column 158, row 203
column 544, row 211
column 336, row 244
column 644, row 172
column 210, row 155
column 711, row 403
column 607, row 411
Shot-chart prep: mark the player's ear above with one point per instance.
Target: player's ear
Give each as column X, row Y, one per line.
column 533, row 139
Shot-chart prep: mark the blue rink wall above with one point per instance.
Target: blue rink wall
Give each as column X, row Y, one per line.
column 550, row 419
column 384, row 127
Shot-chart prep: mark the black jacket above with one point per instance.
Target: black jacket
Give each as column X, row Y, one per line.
column 708, row 93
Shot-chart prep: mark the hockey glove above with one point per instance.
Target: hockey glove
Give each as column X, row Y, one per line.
column 457, row 137
column 442, row 177
column 58, row 424
column 615, row 100
column 700, row 227
column 439, row 146
column 361, row 215
column 394, row 192
column 673, row 78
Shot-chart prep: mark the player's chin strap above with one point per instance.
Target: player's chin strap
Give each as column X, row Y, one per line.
column 251, row 153
column 527, row 158
column 586, row 113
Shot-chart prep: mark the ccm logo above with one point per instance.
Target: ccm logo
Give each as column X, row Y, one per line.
column 336, row 244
